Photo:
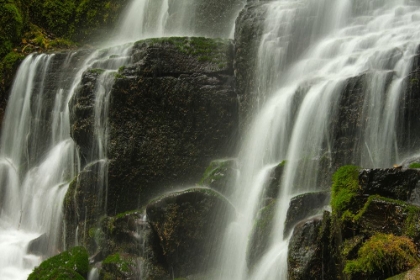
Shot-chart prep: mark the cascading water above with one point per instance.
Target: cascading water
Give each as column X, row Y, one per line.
column 32, row 185
column 301, row 73
column 38, row 158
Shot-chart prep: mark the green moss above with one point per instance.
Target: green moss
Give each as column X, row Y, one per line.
column 74, row 261
column 121, row 69
column 11, row 59
column 411, row 223
column 118, row 262
column 345, row 187
column 11, row 26
column 96, row 71
column 204, row 49
column 414, row 165
column 383, row 255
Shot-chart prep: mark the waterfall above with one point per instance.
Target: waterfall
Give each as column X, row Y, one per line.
column 308, row 52
column 38, row 158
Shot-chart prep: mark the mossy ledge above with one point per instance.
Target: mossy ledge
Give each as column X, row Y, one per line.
column 72, row 264
column 383, row 255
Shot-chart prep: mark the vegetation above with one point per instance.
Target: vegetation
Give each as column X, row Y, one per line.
column 72, row 264
column 414, row 165
column 345, row 187
column 96, row 71
column 383, row 255
column 205, row 49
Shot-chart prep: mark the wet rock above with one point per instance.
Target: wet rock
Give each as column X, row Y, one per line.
column 120, row 267
column 393, row 183
column 389, row 216
column 39, row 246
column 261, row 233
column 273, row 188
column 127, row 248
column 171, row 112
column 348, row 121
column 248, row 31
column 84, row 204
column 188, row 226
column 305, row 251
column 304, row 206
column 409, row 119
column 220, row 175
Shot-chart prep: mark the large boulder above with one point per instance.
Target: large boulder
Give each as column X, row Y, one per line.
column 172, row 110
column 188, row 226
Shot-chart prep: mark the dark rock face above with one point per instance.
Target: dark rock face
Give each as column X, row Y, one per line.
column 409, row 131
column 305, row 253
column 129, row 248
column 348, row 121
column 172, row 110
column 394, row 183
column 83, row 205
column 248, row 31
column 187, row 225
column 304, row 206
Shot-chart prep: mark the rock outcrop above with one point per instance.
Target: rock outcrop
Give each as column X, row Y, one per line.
column 188, row 225
column 172, row 110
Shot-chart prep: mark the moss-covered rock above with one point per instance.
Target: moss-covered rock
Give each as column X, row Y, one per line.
column 344, row 189
column 72, row 264
column 188, row 225
column 119, row 267
column 382, row 256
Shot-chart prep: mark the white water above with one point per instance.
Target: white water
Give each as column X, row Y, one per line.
column 38, row 158
column 302, row 70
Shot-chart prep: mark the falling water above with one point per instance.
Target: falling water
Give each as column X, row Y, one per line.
column 38, row 158
column 32, row 185
column 303, row 67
